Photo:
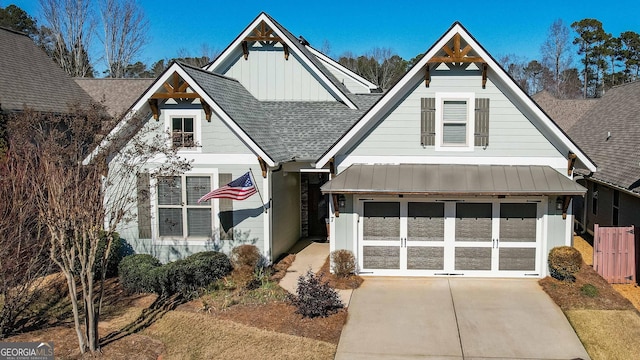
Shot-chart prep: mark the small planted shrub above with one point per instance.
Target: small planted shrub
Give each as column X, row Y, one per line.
column 119, row 249
column 589, row 290
column 246, row 258
column 343, row 263
column 136, row 273
column 315, row 298
column 564, row 263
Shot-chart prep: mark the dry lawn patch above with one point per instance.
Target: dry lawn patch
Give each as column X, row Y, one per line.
column 222, row 339
column 607, row 334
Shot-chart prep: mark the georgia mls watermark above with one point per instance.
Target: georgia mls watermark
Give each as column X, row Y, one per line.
column 26, row 350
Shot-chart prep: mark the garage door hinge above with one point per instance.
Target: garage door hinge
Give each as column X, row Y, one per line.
column 531, row 274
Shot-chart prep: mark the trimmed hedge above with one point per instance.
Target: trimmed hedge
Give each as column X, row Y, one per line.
column 136, row 273
column 144, row 273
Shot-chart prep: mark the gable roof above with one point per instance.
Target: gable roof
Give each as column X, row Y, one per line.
column 116, row 95
column 335, row 87
column 416, row 74
column 564, row 112
column 327, row 61
column 28, row 77
column 275, row 131
column 610, row 133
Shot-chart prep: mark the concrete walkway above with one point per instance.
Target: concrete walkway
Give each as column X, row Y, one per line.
column 445, row 318
column 309, row 255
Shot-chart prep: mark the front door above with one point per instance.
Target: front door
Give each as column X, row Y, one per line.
column 473, row 238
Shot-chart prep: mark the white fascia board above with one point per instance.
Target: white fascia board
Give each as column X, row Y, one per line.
column 225, row 117
column 292, row 47
column 339, row 67
column 410, row 77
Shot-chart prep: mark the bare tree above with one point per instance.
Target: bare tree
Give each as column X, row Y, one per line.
column 379, row 65
column 125, row 33
column 556, row 54
column 23, row 242
column 81, row 205
column 72, row 24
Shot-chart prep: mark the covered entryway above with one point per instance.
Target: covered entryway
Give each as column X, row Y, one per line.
column 485, row 237
column 452, row 220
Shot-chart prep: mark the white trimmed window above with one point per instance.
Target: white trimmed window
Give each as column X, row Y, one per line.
column 179, row 214
column 184, row 128
column 454, row 116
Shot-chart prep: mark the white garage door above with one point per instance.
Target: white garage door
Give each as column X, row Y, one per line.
column 473, row 238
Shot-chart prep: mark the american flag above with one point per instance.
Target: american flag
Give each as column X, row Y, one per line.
column 239, row 189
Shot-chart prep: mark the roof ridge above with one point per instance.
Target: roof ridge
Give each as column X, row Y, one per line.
column 18, row 32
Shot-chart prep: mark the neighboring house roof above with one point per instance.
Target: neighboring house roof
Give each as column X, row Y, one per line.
column 416, row 75
column 610, row 133
column 29, row 78
column 452, row 180
column 564, row 112
column 116, row 95
column 333, row 85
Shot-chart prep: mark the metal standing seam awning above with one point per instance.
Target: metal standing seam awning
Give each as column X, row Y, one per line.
column 449, row 180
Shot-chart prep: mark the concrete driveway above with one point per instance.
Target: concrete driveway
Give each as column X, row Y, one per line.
column 454, row 318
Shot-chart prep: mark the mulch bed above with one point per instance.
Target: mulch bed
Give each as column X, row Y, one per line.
column 281, row 317
column 568, row 295
column 342, row 283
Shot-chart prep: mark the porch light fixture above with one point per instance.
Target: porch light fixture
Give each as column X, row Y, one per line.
column 342, row 201
column 559, row 203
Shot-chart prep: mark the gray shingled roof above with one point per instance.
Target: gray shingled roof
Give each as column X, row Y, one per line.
column 564, row 112
column 285, row 130
column 616, row 114
column 116, row 95
column 28, row 77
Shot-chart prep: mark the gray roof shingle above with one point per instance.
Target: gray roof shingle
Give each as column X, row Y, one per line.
column 285, row 130
column 29, row 78
column 616, row 114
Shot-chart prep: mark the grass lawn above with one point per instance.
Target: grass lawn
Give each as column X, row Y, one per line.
column 188, row 335
column 606, row 322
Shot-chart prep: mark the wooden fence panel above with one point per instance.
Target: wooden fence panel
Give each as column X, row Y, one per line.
column 614, row 254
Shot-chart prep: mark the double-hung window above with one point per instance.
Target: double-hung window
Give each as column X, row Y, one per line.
column 179, row 214
column 454, row 121
column 184, row 128
column 182, row 132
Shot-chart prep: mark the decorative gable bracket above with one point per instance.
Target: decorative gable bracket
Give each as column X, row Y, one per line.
column 176, row 88
column 263, row 34
column 455, row 55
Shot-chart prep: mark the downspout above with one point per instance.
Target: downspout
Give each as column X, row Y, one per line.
column 583, row 223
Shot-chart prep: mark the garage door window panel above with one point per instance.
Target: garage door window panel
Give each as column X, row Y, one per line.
column 473, row 222
column 381, row 221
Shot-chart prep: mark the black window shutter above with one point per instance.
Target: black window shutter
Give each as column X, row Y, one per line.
column 144, row 205
column 226, row 210
column 482, row 122
column 428, row 122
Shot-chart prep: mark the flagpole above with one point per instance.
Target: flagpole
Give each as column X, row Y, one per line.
column 255, row 184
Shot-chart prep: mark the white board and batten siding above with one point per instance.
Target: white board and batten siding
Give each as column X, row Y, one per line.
column 269, row 77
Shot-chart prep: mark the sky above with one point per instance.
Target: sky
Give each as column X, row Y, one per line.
column 407, row 27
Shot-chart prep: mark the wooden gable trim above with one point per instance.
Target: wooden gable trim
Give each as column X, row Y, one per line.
column 176, row 88
column 571, row 162
column 456, row 55
column 263, row 34
column 263, row 167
